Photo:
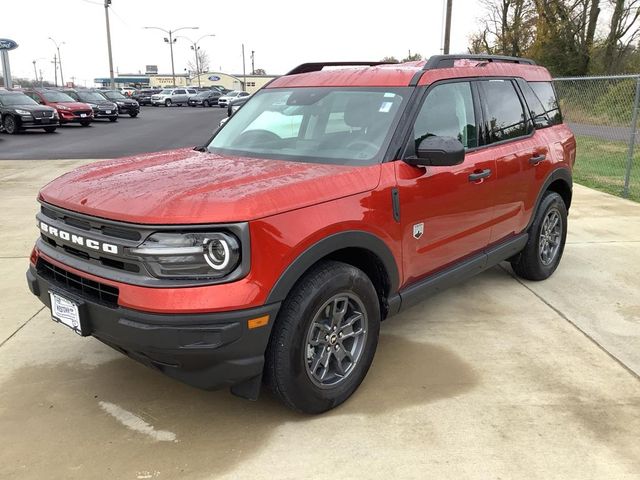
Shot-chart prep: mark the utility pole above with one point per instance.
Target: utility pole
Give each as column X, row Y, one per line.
column 59, row 59
column 244, row 72
column 196, row 48
column 55, row 69
column 35, row 72
column 171, row 41
column 447, row 28
column 253, row 66
column 112, row 81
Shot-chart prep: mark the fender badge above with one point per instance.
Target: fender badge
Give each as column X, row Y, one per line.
column 418, row 230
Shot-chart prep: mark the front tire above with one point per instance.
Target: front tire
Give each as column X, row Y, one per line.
column 10, row 125
column 324, row 338
column 167, row 103
column 547, row 236
column 50, row 129
column 113, row 119
column 85, row 124
column 133, row 114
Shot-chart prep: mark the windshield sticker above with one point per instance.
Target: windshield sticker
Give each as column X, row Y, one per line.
column 385, row 107
column 389, row 95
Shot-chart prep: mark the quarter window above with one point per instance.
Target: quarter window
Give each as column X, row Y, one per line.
column 448, row 112
column 547, row 95
column 504, row 114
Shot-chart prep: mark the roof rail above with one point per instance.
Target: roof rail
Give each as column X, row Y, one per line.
column 317, row 66
column 446, row 61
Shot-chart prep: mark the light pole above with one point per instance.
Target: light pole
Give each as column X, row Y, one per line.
column 447, row 27
column 106, row 16
column 59, row 58
column 170, row 41
column 195, row 48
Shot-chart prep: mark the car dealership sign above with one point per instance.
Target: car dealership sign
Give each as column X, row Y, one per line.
column 6, row 44
column 214, row 78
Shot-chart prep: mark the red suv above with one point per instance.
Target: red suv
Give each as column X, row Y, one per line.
column 69, row 110
column 330, row 201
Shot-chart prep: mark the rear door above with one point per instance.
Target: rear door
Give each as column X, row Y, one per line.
column 179, row 95
column 446, row 212
column 511, row 140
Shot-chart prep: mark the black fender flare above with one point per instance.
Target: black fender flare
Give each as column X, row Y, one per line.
column 327, row 246
column 561, row 173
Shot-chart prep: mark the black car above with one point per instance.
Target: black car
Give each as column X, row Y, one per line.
column 18, row 112
column 143, row 97
column 102, row 108
column 125, row 105
column 205, row 99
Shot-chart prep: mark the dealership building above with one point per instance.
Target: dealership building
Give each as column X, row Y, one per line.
column 249, row 83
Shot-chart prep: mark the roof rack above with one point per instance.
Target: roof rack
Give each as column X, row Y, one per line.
column 446, row 61
column 317, row 66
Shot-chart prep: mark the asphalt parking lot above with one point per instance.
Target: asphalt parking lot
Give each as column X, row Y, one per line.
column 495, row 378
column 155, row 129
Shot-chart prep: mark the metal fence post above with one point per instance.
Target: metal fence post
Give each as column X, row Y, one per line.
column 632, row 140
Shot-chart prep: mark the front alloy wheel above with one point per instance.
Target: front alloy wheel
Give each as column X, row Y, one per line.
column 10, row 125
column 336, row 339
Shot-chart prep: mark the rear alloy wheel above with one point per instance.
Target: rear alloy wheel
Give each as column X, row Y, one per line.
column 324, row 338
column 167, row 102
column 10, row 125
column 50, row 129
column 547, row 237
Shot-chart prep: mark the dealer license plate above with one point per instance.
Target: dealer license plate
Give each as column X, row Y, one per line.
column 65, row 311
column 108, row 111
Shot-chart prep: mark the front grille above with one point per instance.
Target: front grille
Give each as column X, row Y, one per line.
column 43, row 114
column 81, row 286
column 93, row 226
column 78, row 113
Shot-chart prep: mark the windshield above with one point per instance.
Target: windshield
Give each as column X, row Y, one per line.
column 114, row 95
column 347, row 126
column 16, row 99
column 58, row 97
column 90, row 97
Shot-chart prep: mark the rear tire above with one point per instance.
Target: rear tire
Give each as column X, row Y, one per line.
column 547, row 236
column 10, row 125
column 324, row 338
column 50, row 129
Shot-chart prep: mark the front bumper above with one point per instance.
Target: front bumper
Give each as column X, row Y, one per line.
column 31, row 122
column 209, row 351
column 104, row 113
column 129, row 109
column 70, row 117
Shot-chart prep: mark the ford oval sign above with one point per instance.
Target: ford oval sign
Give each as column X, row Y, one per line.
column 214, row 78
column 6, row 44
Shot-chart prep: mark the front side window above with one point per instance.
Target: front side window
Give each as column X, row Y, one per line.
column 346, row 126
column 179, row 92
column 448, row 112
column 504, row 113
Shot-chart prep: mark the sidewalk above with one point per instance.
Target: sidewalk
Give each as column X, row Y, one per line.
column 495, row 378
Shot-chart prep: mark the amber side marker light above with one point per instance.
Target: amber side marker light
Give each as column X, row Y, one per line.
column 258, row 322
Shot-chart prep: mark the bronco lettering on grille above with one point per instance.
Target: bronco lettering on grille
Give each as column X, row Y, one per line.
column 79, row 240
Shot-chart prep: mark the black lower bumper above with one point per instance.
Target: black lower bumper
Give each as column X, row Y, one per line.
column 209, row 351
column 129, row 109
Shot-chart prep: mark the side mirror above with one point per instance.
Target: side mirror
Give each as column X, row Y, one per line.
column 437, row 151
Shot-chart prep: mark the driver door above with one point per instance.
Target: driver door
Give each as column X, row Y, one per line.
column 446, row 212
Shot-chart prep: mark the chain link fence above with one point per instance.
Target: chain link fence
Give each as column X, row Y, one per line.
column 603, row 114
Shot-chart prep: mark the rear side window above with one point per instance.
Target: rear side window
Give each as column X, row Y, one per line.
column 504, row 114
column 547, row 96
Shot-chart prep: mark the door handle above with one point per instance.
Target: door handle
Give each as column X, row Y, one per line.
column 479, row 175
column 536, row 159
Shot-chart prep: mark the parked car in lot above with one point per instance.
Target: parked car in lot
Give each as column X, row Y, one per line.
column 127, row 91
column 173, row 96
column 206, row 98
column 19, row 112
column 334, row 199
column 125, row 105
column 69, row 110
column 233, row 107
column 224, row 100
column 143, row 97
column 102, row 108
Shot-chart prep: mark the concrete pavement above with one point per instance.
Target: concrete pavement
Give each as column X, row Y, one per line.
column 495, row 378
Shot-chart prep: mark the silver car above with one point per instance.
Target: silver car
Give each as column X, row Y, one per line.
column 172, row 96
column 223, row 101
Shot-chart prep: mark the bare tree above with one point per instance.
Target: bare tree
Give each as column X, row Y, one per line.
column 624, row 29
column 203, row 62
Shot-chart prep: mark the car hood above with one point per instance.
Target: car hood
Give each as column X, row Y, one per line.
column 71, row 105
column 187, row 187
column 32, row 108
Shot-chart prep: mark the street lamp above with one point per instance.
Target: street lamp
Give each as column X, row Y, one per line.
column 59, row 58
column 195, row 48
column 170, row 41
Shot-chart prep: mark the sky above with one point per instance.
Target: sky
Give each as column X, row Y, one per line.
column 283, row 33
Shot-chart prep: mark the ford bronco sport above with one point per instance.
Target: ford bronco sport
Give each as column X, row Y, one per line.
column 330, row 201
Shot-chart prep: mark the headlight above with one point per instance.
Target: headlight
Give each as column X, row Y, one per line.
column 190, row 255
column 120, row 104
column 92, row 105
column 22, row 112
